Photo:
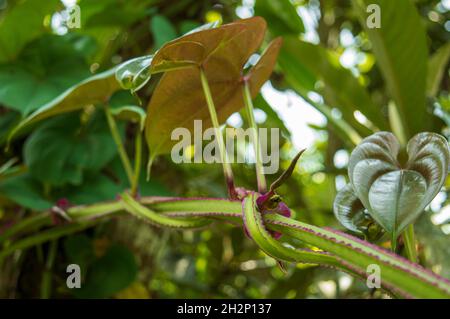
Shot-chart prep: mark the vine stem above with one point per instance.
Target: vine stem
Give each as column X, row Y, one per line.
column 120, row 148
column 410, row 243
column 338, row 249
column 46, row 284
column 261, row 179
column 137, row 163
column 223, row 154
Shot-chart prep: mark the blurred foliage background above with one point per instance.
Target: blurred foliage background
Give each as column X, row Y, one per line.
column 328, row 60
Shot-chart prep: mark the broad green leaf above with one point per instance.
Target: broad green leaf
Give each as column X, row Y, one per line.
column 304, row 63
column 437, row 69
column 195, row 48
column 135, row 73
column 109, row 274
column 282, row 15
column 25, row 191
column 79, row 250
column 178, row 99
column 162, row 30
column 61, row 152
column 395, row 192
column 21, row 24
column 95, row 188
column 45, row 69
column 400, row 48
column 93, row 90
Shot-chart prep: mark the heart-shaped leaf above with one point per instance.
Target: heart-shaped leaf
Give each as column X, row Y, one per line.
column 130, row 113
column 179, row 99
column 93, row 90
column 393, row 193
column 195, row 48
column 16, row 31
column 61, row 152
column 44, row 69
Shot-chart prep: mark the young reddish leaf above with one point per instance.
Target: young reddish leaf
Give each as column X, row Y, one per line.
column 179, row 99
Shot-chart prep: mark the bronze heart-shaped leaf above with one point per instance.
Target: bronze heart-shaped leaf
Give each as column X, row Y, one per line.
column 178, row 98
column 393, row 193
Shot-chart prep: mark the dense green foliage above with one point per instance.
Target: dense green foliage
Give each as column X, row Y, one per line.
column 83, row 109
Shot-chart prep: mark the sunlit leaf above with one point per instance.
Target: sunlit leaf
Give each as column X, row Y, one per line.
column 282, row 15
column 400, row 48
column 162, row 30
column 437, row 68
column 305, row 63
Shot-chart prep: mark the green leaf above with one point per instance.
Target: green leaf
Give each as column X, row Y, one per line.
column 25, row 191
column 109, row 274
column 94, row 90
column 437, row 68
column 282, row 15
column 396, row 193
column 400, row 47
column 44, row 70
column 304, row 63
column 23, row 23
column 130, row 113
column 188, row 26
column 79, row 250
column 95, row 188
column 60, row 152
column 135, row 73
column 162, row 30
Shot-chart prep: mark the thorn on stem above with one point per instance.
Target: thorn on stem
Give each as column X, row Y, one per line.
column 287, row 173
